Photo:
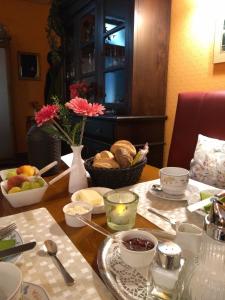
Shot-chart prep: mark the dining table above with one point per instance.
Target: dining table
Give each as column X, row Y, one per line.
column 49, row 212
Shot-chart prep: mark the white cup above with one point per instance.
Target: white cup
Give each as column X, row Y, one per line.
column 137, row 259
column 10, row 281
column 188, row 237
column 174, row 180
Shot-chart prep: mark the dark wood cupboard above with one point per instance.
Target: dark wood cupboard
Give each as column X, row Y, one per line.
column 120, row 48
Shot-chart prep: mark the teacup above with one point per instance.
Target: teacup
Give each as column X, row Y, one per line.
column 10, row 282
column 174, row 180
column 188, row 237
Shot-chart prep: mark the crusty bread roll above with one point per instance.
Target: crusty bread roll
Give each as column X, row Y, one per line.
column 123, row 144
column 107, row 163
column 123, row 157
column 104, row 154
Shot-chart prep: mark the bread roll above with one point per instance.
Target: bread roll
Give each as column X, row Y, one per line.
column 123, row 157
column 107, row 163
column 123, row 144
column 103, row 154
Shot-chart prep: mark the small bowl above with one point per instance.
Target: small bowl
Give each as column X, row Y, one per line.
column 135, row 258
column 24, row 198
column 71, row 219
column 11, row 281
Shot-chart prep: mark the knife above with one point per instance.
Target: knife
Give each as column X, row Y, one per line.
column 17, row 249
column 205, row 202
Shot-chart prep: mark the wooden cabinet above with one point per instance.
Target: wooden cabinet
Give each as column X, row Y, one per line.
column 120, row 48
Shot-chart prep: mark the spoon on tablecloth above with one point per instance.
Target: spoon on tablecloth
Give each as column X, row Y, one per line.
column 52, row 251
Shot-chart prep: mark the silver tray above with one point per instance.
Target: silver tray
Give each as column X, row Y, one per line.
column 123, row 281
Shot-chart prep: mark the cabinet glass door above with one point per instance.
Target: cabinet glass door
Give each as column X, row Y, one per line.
column 114, row 49
column 87, row 43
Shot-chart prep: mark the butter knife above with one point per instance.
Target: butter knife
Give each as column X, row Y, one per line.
column 202, row 203
column 17, row 249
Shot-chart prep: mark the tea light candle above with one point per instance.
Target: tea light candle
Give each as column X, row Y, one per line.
column 120, row 214
column 121, row 209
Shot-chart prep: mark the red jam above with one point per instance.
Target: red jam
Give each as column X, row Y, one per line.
column 138, row 244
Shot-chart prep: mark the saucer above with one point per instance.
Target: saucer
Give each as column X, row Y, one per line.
column 32, row 291
column 184, row 197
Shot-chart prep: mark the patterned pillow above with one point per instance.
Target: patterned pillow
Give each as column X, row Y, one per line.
column 208, row 164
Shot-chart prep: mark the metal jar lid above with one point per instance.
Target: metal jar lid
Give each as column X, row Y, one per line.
column 168, row 255
column 214, row 231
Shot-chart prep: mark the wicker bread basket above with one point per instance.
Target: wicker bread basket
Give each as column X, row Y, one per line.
column 114, row 178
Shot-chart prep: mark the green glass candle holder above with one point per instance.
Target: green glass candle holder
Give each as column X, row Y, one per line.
column 121, row 209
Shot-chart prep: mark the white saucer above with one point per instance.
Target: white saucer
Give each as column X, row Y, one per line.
column 184, row 197
column 98, row 209
column 32, row 291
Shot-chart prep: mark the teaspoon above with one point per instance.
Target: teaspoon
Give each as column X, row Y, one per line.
column 157, row 187
column 52, row 251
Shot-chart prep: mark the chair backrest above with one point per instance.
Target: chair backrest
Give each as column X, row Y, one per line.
column 197, row 113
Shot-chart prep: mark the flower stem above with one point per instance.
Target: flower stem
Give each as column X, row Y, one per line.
column 82, row 130
column 63, row 132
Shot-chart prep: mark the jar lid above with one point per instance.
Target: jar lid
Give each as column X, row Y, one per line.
column 214, row 231
column 168, row 255
column 214, row 224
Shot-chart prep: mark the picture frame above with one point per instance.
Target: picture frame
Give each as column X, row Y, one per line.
column 28, row 66
column 219, row 41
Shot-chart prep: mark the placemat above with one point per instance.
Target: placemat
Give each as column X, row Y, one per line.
column 39, row 225
column 169, row 208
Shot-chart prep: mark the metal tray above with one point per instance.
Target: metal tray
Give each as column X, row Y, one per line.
column 123, row 281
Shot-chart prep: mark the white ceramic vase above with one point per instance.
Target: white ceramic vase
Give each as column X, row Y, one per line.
column 78, row 177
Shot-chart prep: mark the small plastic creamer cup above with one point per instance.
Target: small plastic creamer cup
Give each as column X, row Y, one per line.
column 70, row 217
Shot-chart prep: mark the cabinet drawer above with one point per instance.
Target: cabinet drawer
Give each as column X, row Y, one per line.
column 100, row 129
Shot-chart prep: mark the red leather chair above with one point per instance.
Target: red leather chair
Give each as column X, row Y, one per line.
column 197, row 113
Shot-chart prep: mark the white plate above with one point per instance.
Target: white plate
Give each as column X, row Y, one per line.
column 101, row 190
column 3, row 173
column 14, row 235
column 32, row 291
column 184, row 197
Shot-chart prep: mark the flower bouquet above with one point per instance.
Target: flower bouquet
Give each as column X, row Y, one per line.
column 57, row 119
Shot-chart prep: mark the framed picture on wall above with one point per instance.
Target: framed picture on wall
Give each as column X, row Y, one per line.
column 28, row 66
column 219, row 41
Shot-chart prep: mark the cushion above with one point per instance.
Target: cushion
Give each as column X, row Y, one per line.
column 208, row 164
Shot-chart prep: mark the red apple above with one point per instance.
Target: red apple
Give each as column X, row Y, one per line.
column 15, row 181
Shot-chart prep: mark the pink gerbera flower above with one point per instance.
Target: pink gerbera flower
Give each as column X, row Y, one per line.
column 46, row 113
column 81, row 107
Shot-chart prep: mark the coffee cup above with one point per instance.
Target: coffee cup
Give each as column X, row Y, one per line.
column 10, row 282
column 188, row 237
column 174, row 180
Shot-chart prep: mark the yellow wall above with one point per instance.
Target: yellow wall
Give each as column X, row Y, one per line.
column 191, row 65
column 26, row 22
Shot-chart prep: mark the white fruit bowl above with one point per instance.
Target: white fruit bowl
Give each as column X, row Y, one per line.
column 24, row 198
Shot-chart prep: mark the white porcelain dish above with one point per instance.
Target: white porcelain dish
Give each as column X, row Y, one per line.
column 71, row 219
column 97, row 209
column 24, row 198
column 11, row 281
column 184, row 197
column 137, row 259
